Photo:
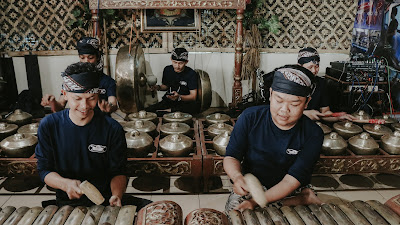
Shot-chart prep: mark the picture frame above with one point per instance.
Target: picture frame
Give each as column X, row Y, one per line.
column 170, row 20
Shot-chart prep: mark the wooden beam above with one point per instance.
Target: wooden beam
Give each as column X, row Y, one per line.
column 170, row 4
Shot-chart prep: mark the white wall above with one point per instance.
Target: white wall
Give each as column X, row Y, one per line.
column 219, row 66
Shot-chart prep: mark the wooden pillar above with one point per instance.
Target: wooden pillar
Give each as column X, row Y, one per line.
column 95, row 22
column 237, row 85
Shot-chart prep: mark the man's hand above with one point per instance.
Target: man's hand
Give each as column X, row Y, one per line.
column 313, row 114
column 239, row 185
column 72, row 189
column 155, row 88
column 115, row 201
column 104, row 105
column 247, row 204
column 347, row 117
column 174, row 96
column 47, row 100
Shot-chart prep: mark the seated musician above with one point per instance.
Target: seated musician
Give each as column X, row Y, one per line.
column 277, row 144
column 180, row 83
column 319, row 104
column 82, row 143
column 88, row 49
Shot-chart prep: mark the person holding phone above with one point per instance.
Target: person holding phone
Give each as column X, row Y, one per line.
column 180, row 83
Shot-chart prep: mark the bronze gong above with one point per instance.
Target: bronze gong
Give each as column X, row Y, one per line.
column 130, row 70
column 204, row 91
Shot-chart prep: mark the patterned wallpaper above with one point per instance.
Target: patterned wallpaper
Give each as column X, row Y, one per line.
column 36, row 25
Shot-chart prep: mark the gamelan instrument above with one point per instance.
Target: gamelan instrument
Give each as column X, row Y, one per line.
column 357, row 212
column 68, row 215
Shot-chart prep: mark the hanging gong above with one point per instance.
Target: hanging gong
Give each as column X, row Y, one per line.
column 204, row 91
column 130, row 70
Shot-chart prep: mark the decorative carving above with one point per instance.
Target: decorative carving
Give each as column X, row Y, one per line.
column 18, row 168
column 163, row 212
column 160, row 167
column 219, row 167
column 206, row 216
column 363, row 165
column 158, row 4
column 237, row 85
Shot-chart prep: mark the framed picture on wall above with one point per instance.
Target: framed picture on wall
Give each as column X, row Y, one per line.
column 169, row 20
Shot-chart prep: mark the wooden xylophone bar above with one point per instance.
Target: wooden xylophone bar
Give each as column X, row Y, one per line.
column 357, row 212
column 68, row 215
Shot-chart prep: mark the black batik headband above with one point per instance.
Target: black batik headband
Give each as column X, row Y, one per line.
column 293, row 82
column 85, row 82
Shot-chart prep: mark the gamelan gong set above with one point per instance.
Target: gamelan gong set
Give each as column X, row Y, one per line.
column 179, row 144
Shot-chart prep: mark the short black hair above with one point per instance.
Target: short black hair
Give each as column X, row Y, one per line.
column 80, row 67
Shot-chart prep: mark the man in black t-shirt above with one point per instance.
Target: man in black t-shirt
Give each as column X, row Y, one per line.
column 278, row 144
column 180, row 84
column 318, row 106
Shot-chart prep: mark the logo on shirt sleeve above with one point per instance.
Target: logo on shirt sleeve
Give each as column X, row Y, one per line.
column 292, row 151
column 97, row 148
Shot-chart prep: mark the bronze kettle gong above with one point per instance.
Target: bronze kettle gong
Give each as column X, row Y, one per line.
column 139, row 143
column 324, row 127
column 347, row 129
column 176, row 145
column 174, row 128
column 363, row 144
column 19, row 117
column 333, row 144
column 377, row 130
column 140, row 125
column 361, row 115
column 179, row 117
column 388, row 119
column 217, row 118
column 391, row 143
column 220, row 142
column 143, row 115
column 19, row 145
column 7, row 129
column 219, row 128
column 29, row 129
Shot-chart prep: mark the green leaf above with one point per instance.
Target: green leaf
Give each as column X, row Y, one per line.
column 79, row 23
column 273, row 25
column 70, row 23
column 76, row 12
column 109, row 11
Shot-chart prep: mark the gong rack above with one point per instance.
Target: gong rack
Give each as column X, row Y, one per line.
column 203, row 163
column 158, row 164
column 348, row 163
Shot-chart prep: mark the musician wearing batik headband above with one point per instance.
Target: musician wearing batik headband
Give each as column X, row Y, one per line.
column 180, row 83
column 278, row 144
column 89, row 51
column 318, row 107
column 81, row 143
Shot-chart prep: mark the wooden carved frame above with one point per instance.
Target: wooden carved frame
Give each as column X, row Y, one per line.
column 147, row 27
column 239, row 5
